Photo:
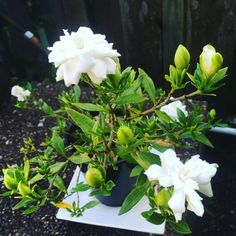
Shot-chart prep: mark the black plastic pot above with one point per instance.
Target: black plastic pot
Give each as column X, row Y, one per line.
column 124, row 184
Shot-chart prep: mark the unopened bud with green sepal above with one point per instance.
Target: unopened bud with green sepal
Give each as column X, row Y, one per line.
column 210, row 61
column 125, row 135
column 24, row 190
column 94, row 177
column 9, row 179
column 212, row 113
column 162, row 198
column 182, row 57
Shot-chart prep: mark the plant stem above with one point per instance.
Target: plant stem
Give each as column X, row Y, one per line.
column 157, row 106
column 77, row 181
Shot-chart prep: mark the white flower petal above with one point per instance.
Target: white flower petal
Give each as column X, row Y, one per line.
column 20, row 93
column 206, row 189
column 171, row 109
column 154, row 172
column 177, row 204
column 195, row 205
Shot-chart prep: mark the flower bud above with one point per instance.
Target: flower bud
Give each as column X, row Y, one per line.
column 125, row 135
column 162, row 198
column 94, row 177
column 23, row 189
column 212, row 113
column 9, row 179
column 210, row 60
column 182, row 57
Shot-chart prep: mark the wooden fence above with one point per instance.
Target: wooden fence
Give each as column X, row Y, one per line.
column 147, row 32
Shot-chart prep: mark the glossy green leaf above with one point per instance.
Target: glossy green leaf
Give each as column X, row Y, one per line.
column 30, row 210
column 129, row 99
column 180, row 227
column 154, row 217
column 54, row 168
column 133, row 198
column 81, row 120
column 88, row 106
column 79, row 158
column 58, row 144
column 148, row 85
column 137, row 170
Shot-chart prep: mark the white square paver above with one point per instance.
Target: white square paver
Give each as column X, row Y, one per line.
column 107, row 216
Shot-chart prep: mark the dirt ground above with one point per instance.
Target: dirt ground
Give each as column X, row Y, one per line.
column 15, row 125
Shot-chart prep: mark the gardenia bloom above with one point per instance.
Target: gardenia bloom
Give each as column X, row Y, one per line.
column 20, row 93
column 83, row 52
column 210, row 60
column 185, row 179
column 171, row 109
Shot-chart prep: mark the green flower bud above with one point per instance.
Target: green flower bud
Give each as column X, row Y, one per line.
column 182, row 57
column 210, row 60
column 94, row 177
column 212, row 113
column 9, row 179
column 23, row 189
column 125, row 135
column 162, row 198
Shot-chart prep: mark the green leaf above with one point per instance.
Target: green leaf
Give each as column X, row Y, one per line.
column 129, row 99
column 6, row 194
column 35, row 179
column 89, row 205
column 19, row 176
column 58, row 144
column 79, row 158
column 80, row 187
column 141, row 179
column 133, row 88
column 137, row 170
column 203, row 139
column 145, row 159
column 89, row 106
column 160, row 148
column 153, row 218
column 181, row 115
column 133, row 198
column 59, row 183
column 77, row 92
column 81, row 120
column 57, row 167
column 47, row 109
column 218, row 77
column 148, row 85
column 30, row 210
column 109, row 185
column 180, row 227
column 26, row 167
column 163, row 116
column 22, row 203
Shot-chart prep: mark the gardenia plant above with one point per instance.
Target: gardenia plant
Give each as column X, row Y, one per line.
column 128, row 119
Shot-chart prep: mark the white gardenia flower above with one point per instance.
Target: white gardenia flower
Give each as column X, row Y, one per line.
column 20, row 93
column 185, row 179
column 83, row 52
column 171, row 109
column 202, row 172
